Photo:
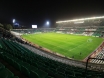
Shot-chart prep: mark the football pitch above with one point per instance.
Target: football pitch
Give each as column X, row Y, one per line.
column 72, row 46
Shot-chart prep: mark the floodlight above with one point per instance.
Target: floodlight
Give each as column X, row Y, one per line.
column 13, row 20
column 47, row 23
column 77, row 22
column 82, row 19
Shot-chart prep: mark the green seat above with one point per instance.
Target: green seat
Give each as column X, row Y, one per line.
column 70, row 76
column 29, row 61
column 34, row 64
column 25, row 71
column 24, row 59
column 1, row 56
column 1, row 66
column 49, row 77
column 17, row 66
column 59, row 76
column 15, row 77
column 33, row 68
column 34, row 74
column 63, row 74
column 78, row 74
column 10, row 61
column 27, row 65
column 16, row 59
column 61, row 70
column 6, row 58
column 70, row 72
column 5, row 73
column 44, row 68
column 42, row 74
column 50, row 72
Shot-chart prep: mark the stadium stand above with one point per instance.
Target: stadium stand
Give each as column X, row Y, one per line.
column 33, row 65
column 96, row 31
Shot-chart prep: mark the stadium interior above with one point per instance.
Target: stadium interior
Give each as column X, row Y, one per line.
column 23, row 59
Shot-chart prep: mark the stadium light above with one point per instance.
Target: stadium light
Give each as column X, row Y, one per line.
column 77, row 22
column 82, row 19
column 47, row 23
column 14, row 20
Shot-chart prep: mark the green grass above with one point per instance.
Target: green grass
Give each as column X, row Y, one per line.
column 65, row 44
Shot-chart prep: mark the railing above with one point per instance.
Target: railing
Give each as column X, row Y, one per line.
column 88, row 62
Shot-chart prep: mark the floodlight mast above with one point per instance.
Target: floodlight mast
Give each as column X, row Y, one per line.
column 82, row 19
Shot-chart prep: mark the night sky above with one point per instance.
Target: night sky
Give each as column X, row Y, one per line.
column 28, row 12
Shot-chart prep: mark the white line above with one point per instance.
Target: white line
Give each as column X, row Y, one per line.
column 77, row 46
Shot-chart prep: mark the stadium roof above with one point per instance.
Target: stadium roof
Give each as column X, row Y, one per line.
column 82, row 19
